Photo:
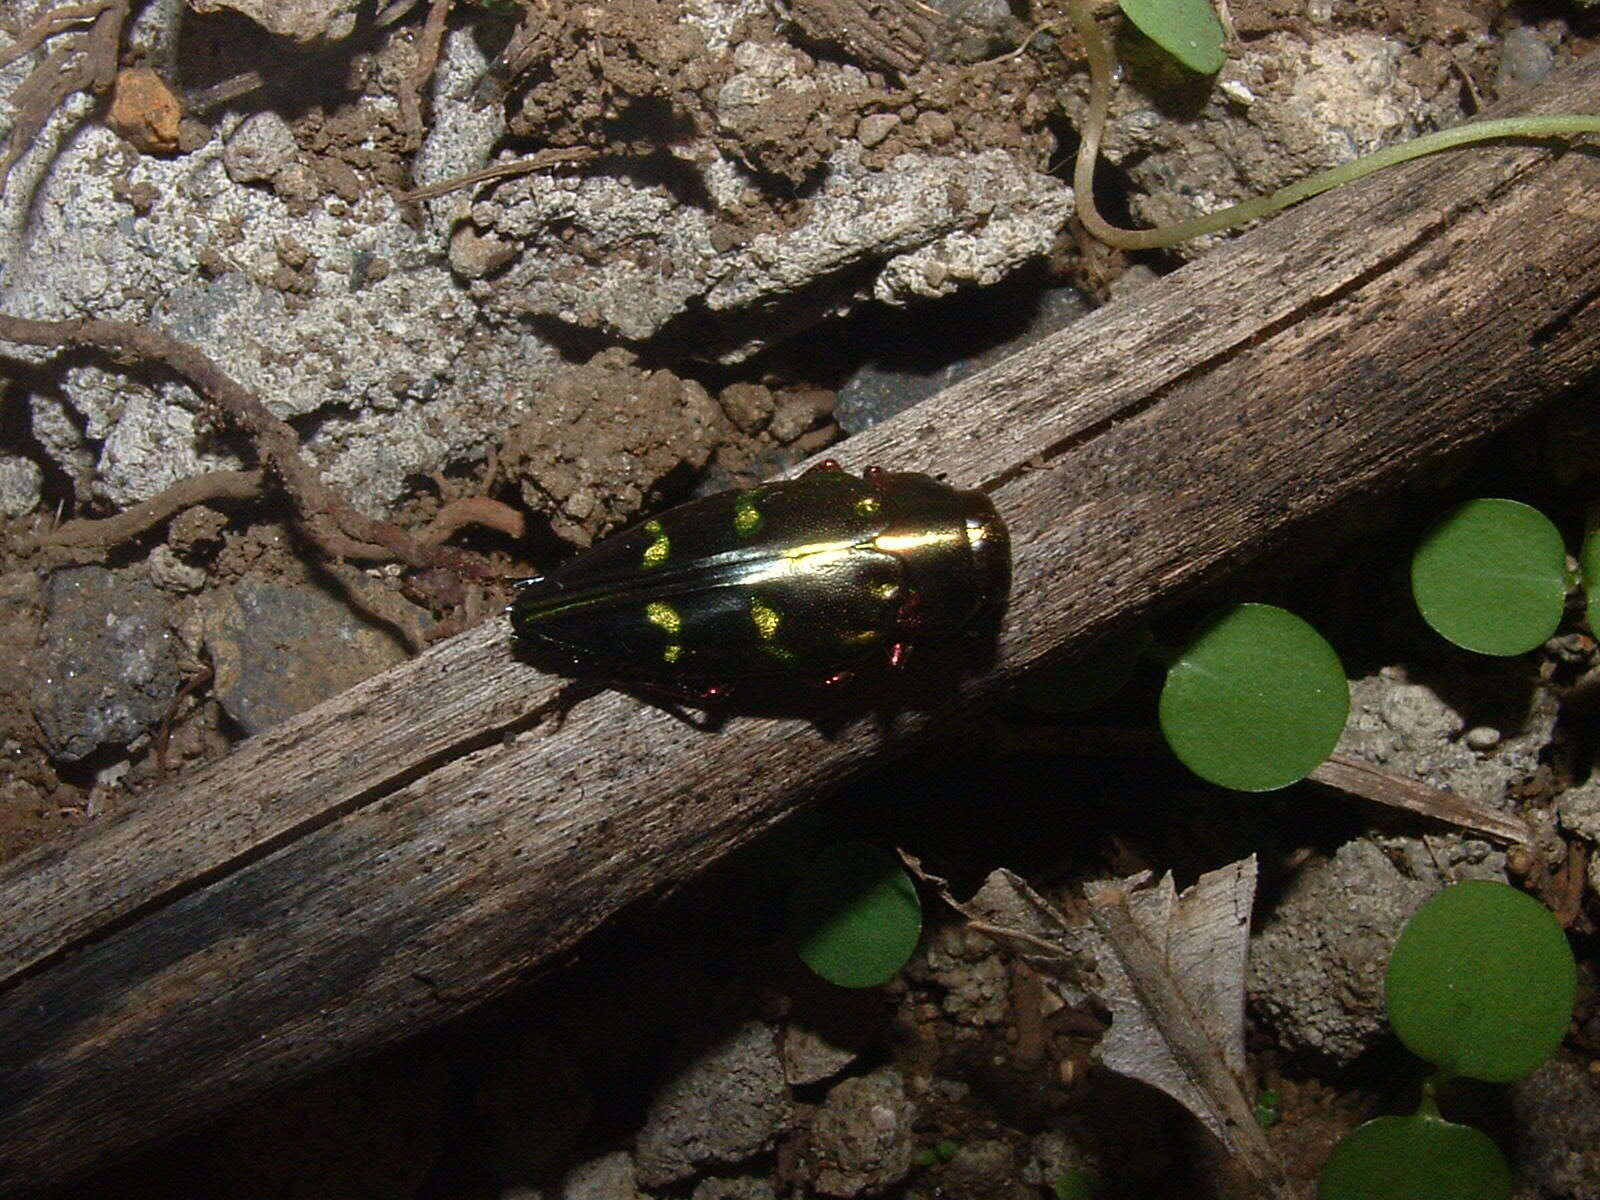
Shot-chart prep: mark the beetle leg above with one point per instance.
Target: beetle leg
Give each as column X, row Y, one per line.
column 909, row 621
column 668, row 698
column 700, row 697
column 909, row 617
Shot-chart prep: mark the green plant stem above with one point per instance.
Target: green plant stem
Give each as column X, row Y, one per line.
column 1428, row 1104
column 1102, row 70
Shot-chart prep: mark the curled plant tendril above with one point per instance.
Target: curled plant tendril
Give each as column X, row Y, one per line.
column 1102, row 69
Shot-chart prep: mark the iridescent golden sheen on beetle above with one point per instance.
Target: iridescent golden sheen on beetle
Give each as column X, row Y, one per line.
column 814, row 579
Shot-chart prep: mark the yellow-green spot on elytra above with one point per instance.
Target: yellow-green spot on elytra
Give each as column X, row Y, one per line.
column 868, row 506
column 672, row 653
column 659, row 548
column 765, row 618
column 860, row 637
column 746, row 516
column 663, row 616
column 885, row 591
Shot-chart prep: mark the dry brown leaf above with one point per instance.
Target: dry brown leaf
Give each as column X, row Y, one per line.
column 1170, row 968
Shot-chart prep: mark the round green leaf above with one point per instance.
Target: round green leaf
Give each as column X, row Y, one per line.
column 1186, row 29
column 854, row 915
column 1075, row 1184
column 1589, row 565
column 1482, row 982
column 1415, row 1158
column 1256, row 701
column 1491, row 577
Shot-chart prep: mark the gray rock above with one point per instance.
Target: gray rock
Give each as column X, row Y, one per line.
column 874, row 127
column 462, row 134
column 741, row 1187
column 21, row 483
column 1482, row 738
column 969, row 968
column 1407, row 728
column 721, row 22
column 299, row 20
column 1557, row 1113
column 592, row 249
column 609, row 1177
column 726, row 1105
column 810, row 1056
column 1316, row 968
column 874, row 393
column 1578, row 810
column 402, row 379
column 279, row 650
column 1525, row 57
column 261, row 147
column 1416, row 713
column 110, row 666
column 861, row 1136
column 974, row 30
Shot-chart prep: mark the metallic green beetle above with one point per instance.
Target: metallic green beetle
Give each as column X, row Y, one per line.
column 808, row 580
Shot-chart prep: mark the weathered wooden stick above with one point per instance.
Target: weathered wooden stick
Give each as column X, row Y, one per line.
column 409, row 849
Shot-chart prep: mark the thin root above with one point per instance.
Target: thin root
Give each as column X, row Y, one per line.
column 378, row 602
column 86, row 62
column 57, row 20
column 473, row 510
column 330, row 521
column 164, row 733
column 429, row 44
column 186, row 493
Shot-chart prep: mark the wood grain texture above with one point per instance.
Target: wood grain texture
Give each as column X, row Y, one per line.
column 409, row 849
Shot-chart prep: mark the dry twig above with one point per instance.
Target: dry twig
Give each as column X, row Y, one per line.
column 1358, row 778
column 555, row 156
column 84, row 62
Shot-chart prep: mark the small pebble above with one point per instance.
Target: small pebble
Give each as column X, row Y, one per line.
column 1482, row 737
column 262, row 146
column 21, row 483
column 1525, row 58
column 171, row 573
column 935, row 128
column 874, row 128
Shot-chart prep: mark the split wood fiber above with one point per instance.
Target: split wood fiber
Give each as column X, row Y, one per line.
column 413, row 847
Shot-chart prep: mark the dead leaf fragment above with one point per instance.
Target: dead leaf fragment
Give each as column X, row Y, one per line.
column 145, row 111
column 1170, row 968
